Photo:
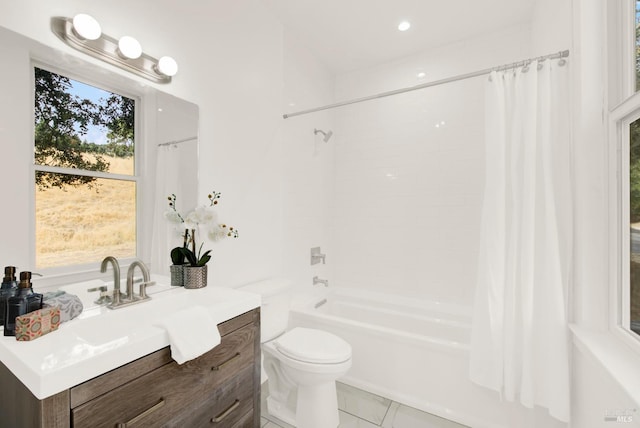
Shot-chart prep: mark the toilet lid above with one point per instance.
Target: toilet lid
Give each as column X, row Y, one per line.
column 313, row 346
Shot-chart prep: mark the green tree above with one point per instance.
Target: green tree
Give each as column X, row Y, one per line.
column 57, row 114
column 118, row 115
column 62, row 117
column 634, row 171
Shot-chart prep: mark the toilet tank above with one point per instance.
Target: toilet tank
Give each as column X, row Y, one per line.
column 274, row 310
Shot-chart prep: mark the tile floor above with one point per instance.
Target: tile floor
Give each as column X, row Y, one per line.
column 361, row 409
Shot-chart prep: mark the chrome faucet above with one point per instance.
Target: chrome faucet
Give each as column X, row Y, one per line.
column 119, row 300
column 116, row 277
column 317, row 280
column 145, row 281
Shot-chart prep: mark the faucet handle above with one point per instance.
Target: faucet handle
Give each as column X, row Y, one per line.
column 104, row 298
column 143, row 289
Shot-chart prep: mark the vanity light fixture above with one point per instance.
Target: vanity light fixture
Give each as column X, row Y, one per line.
column 86, row 26
column 83, row 33
column 129, row 47
column 167, row 66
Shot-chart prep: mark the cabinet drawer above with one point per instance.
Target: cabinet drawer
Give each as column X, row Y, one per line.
column 231, row 405
column 165, row 393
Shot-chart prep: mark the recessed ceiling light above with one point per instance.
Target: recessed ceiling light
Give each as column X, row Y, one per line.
column 421, row 75
column 404, row 26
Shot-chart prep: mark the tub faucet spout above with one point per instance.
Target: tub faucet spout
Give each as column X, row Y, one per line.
column 317, row 280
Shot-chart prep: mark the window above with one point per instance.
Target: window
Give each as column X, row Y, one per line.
column 84, row 172
column 637, row 44
column 624, row 95
column 633, row 176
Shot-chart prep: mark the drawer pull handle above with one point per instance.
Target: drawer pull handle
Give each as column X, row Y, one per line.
column 142, row 415
column 222, row 364
column 226, row 413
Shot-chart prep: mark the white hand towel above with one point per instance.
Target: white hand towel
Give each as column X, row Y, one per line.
column 192, row 332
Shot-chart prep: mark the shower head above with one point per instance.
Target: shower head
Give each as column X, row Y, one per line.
column 327, row 135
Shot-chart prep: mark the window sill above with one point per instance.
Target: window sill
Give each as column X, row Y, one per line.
column 616, row 358
column 53, row 278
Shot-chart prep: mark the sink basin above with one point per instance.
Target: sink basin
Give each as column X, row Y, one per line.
column 99, row 327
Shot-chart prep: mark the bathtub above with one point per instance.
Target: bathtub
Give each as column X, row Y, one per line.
column 412, row 352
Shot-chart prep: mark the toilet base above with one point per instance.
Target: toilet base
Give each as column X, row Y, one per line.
column 280, row 411
column 316, row 407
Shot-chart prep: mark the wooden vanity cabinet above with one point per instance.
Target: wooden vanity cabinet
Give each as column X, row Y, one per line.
column 219, row 389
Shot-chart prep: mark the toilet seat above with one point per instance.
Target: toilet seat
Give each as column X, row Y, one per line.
column 313, row 346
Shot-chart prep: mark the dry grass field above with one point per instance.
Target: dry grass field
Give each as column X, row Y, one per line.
column 80, row 225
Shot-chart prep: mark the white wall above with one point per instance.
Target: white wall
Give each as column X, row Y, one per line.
column 15, row 176
column 551, row 26
column 597, row 396
column 307, row 165
column 231, row 65
column 409, row 171
column 595, row 391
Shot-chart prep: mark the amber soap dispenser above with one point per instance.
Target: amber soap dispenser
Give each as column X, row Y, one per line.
column 23, row 302
column 8, row 289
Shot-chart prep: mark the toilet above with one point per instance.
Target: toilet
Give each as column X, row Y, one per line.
column 302, row 364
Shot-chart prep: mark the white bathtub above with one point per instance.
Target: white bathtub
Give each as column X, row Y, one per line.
column 413, row 352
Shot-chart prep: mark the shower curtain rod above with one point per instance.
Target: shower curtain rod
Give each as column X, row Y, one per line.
column 184, row 140
column 561, row 54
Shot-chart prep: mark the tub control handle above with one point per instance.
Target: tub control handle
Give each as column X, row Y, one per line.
column 317, row 256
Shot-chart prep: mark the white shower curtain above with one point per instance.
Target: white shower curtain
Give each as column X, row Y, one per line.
column 166, row 176
column 519, row 344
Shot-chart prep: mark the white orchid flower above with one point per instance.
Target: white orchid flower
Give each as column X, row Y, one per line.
column 217, row 233
column 173, row 216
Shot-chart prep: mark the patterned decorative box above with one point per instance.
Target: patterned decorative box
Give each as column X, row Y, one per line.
column 37, row 323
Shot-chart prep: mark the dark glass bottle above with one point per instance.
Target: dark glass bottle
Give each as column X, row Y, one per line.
column 23, row 302
column 8, row 289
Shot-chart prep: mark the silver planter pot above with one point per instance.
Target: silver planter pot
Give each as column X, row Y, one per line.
column 195, row 276
column 177, row 275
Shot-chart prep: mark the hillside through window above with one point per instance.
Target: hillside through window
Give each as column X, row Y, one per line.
column 85, row 178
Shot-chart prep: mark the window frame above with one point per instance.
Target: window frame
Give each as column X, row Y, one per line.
column 624, row 102
column 88, row 269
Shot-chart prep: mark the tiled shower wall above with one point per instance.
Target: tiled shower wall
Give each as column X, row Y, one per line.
column 408, row 192
column 409, row 172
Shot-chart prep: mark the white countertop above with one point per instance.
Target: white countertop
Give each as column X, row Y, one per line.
column 102, row 339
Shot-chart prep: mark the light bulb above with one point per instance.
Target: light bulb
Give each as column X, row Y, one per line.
column 86, row 26
column 129, row 47
column 404, row 26
column 167, row 66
